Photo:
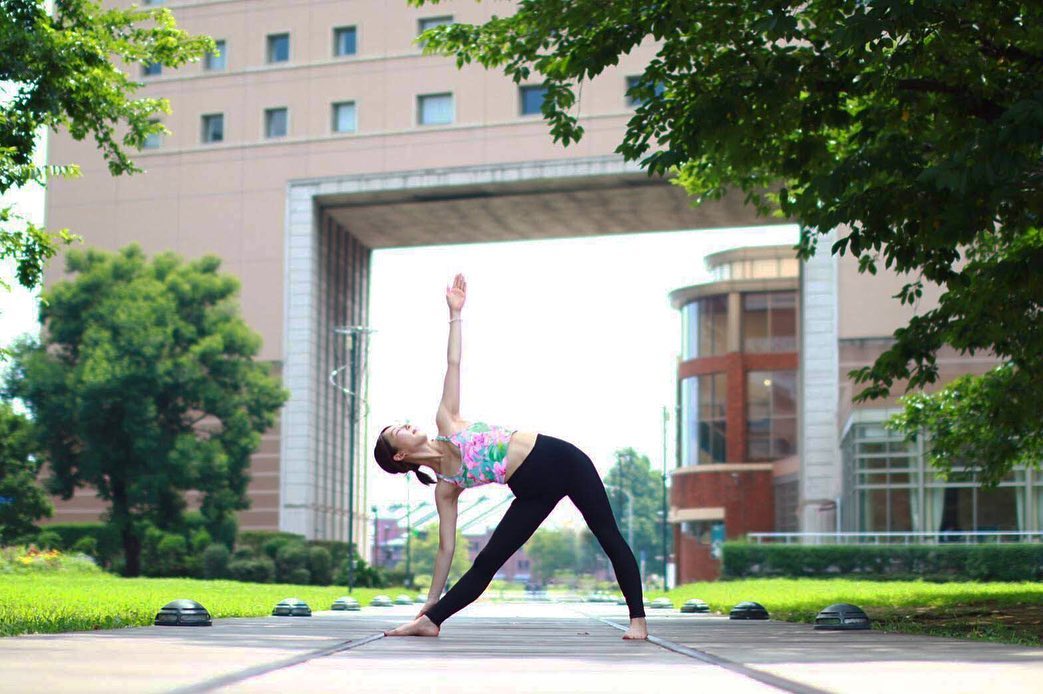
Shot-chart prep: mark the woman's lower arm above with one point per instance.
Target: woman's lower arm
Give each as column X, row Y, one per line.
column 455, row 338
column 443, row 560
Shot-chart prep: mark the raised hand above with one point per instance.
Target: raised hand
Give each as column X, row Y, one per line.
column 456, row 294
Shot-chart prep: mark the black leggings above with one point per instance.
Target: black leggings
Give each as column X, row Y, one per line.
column 553, row 469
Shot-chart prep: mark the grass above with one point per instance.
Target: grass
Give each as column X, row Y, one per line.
column 1004, row 612
column 51, row 603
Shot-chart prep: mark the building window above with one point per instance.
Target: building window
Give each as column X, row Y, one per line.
column 344, row 117
column 276, row 121
column 769, row 322
column 214, row 127
column 705, row 327
column 787, row 502
column 703, row 411
column 635, row 80
column 531, row 99
column 344, row 41
column 153, row 2
column 435, row 109
column 771, row 415
column 278, row 48
column 432, row 22
column 218, row 59
column 153, row 140
column 523, row 565
column 152, row 69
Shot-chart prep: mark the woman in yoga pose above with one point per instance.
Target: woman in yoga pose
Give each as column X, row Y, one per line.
column 539, row 469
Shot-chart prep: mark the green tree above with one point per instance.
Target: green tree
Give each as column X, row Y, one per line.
column 22, row 500
column 145, row 386
column 553, row 550
column 912, row 128
column 632, row 472
column 66, row 70
column 424, row 547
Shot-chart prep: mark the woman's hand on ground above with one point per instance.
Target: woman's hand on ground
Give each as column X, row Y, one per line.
column 423, row 610
column 456, row 294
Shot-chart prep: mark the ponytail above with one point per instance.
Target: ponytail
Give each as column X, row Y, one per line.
column 385, row 457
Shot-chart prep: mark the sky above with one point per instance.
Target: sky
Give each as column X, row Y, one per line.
column 574, row 338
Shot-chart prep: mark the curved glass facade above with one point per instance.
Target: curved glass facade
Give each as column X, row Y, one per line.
column 704, row 326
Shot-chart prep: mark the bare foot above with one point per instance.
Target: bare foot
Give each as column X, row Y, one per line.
column 421, row 626
column 638, row 629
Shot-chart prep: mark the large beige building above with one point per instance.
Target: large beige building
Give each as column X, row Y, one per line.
column 319, row 134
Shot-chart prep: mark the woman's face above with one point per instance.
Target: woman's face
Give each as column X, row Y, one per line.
column 405, row 437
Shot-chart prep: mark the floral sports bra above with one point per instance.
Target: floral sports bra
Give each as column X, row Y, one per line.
column 483, row 450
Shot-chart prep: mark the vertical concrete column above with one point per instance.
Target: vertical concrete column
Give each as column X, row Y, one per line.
column 821, row 474
column 734, row 337
column 300, row 344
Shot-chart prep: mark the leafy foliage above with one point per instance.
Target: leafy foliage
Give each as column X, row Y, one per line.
column 424, row 547
column 633, row 473
column 67, row 70
column 22, row 500
column 912, row 128
column 146, row 387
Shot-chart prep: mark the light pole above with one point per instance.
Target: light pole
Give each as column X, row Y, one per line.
column 376, row 536
column 666, row 420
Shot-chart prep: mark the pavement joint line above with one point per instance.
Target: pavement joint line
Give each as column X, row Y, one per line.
column 776, row 681
column 258, row 670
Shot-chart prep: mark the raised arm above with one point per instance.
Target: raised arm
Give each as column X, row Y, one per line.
column 449, row 407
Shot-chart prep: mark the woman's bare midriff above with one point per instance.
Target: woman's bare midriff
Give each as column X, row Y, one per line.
column 518, row 450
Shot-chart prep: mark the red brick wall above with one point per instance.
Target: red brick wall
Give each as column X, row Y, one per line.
column 747, row 497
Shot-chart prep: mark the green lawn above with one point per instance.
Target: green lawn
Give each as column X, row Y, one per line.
column 48, row 603
column 1010, row 612
column 1007, row 612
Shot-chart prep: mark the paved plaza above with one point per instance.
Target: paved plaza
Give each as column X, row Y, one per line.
column 516, row 647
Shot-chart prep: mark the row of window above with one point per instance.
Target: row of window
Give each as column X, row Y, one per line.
column 277, row 47
column 768, row 324
column 771, row 417
column 431, row 109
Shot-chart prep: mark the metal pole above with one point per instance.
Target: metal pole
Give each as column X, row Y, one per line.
column 376, row 536
column 409, row 536
column 666, row 419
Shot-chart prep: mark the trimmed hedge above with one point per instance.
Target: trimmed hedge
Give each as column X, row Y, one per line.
column 107, row 541
column 995, row 562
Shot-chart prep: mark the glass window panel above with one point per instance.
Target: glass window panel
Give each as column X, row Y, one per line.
column 690, row 330
column 957, row 509
column 632, row 81
column 218, row 60
column 435, row 109
column 771, row 424
column 344, row 41
column 275, row 122
column 901, row 515
column 869, row 447
column 873, row 507
column 704, row 438
column 531, row 99
column 278, row 48
column 431, row 22
column 765, row 267
column 213, row 127
column 154, row 140
column 344, row 117
column 152, row 69
column 998, row 509
column 755, row 323
column 713, row 326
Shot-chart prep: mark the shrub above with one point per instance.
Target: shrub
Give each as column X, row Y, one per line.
column 320, row 565
column 255, row 539
column 48, row 539
column 299, row 576
column 109, row 545
column 252, row 570
column 290, row 558
column 215, row 561
column 201, row 539
column 949, row 562
column 86, row 545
